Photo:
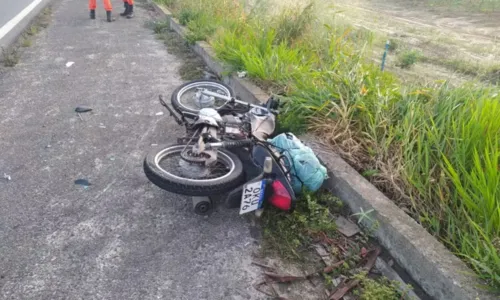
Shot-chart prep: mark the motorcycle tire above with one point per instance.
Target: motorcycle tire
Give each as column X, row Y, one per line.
column 177, row 94
column 188, row 186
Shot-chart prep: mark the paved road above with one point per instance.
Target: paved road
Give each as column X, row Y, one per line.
column 10, row 8
column 122, row 238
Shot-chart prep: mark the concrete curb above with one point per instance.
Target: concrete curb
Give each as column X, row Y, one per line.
column 440, row 273
column 10, row 38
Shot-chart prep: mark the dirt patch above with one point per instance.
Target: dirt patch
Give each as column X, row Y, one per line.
column 454, row 45
column 192, row 66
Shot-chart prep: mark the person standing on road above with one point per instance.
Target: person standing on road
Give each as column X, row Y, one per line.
column 107, row 7
column 129, row 9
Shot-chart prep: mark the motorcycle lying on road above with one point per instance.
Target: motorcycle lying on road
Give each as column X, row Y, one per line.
column 224, row 152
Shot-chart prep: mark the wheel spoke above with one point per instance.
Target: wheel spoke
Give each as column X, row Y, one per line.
column 188, row 98
column 178, row 166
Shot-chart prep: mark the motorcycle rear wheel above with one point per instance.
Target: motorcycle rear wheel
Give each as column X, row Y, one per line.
column 183, row 97
column 174, row 179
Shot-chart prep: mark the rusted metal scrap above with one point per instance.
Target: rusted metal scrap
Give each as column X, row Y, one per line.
column 263, row 265
column 272, row 277
column 345, row 287
column 330, row 268
column 285, row 278
column 273, row 292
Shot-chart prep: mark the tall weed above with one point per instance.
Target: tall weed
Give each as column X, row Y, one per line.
column 434, row 149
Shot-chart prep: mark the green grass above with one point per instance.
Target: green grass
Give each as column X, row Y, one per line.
column 200, row 28
column 25, row 41
column 487, row 73
column 32, row 30
column 492, row 74
column 408, row 58
column 292, row 234
column 433, row 149
column 160, row 27
column 379, row 289
column 10, row 57
column 188, row 15
column 165, row 2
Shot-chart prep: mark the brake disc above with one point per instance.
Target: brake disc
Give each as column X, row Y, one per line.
column 195, row 158
column 196, row 165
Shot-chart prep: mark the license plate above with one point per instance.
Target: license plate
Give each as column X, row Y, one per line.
column 252, row 196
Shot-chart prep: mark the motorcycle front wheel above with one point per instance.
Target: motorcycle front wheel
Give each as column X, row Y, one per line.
column 186, row 99
column 173, row 169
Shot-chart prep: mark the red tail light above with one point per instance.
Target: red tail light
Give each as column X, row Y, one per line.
column 280, row 198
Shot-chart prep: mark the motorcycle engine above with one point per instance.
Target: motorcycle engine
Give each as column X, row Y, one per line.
column 233, row 127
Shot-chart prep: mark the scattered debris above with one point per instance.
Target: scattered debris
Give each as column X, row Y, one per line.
column 363, row 252
column 346, row 227
column 69, row 64
column 159, row 113
column 283, row 278
column 263, row 266
column 102, row 126
column 242, row 74
column 325, row 256
column 83, row 182
column 330, row 269
column 273, row 292
column 343, row 288
column 337, row 281
column 371, row 258
column 273, row 277
column 7, row 177
column 339, row 254
column 346, row 286
column 321, row 250
column 82, row 109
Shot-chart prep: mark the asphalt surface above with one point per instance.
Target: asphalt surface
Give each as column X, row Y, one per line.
column 121, row 238
column 10, row 9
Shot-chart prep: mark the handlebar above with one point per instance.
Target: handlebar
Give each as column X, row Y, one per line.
column 229, row 144
column 234, row 100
